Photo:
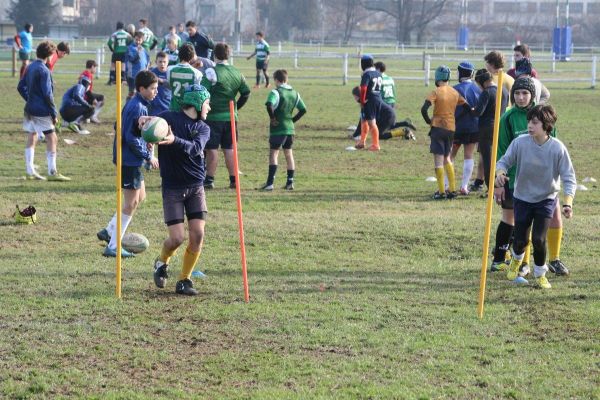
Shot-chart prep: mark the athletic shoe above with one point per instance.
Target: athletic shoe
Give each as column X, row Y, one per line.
column 108, row 252
column 34, row 176
column 558, row 268
column 186, row 287
column 83, row 131
column 58, row 126
column 210, row 185
column 199, row 274
column 103, row 235
column 464, row 191
column 409, row 134
column 160, row 273
column 94, row 120
column 289, row 186
column 410, row 124
column 56, row 177
column 524, row 270
column 475, row 187
column 439, row 196
column 374, row 148
column 513, row 269
column 359, row 145
column 519, row 280
column 73, row 127
column 542, row 282
column 266, row 187
column 231, row 185
column 498, row 266
column 451, row 195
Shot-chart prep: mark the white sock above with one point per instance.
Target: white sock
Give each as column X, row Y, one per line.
column 518, row 257
column 112, row 224
column 29, row 155
column 467, row 171
column 97, row 111
column 125, row 220
column 446, row 185
column 539, row 270
column 51, row 159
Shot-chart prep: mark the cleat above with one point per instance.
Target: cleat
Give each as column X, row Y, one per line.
column 160, row 273
column 542, row 282
column 56, row 177
column 73, row 127
column 374, row 148
column 231, row 185
column 513, row 269
column 94, row 120
column 289, row 186
column 266, row 187
column 558, row 268
column 524, row 270
column 108, row 252
column 209, row 185
column 186, row 287
column 451, row 195
column 359, row 145
column 84, row 132
column 439, row 196
column 498, row 266
column 519, row 280
column 34, row 177
column 464, row 191
column 58, row 126
column 199, row 274
column 103, row 235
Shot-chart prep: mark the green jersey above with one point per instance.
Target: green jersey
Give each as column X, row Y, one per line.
column 150, row 40
column 180, row 78
column 118, row 41
column 513, row 124
column 262, row 50
column 224, row 82
column 284, row 100
column 388, row 90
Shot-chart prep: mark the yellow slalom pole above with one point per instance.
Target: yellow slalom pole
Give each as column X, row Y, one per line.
column 118, row 183
column 490, row 198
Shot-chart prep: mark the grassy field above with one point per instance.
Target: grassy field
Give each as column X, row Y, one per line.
column 361, row 287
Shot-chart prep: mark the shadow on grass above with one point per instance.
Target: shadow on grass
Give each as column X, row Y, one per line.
column 59, row 187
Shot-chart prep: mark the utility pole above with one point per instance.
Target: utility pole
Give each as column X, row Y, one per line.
column 238, row 26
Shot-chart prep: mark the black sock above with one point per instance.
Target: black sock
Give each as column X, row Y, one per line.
column 266, row 78
column 503, row 236
column 232, row 179
column 257, row 78
column 272, row 172
column 290, row 175
column 209, row 179
column 478, row 182
column 113, row 76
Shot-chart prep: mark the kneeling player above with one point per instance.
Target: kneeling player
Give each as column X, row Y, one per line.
column 181, row 155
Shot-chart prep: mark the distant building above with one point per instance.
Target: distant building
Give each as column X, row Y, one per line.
column 218, row 17
column 7, row 27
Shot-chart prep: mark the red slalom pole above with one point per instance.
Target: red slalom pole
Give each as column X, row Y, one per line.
column 239, row 202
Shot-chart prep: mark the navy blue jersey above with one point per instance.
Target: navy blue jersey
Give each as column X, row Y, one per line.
column 465, row 122
column 163, row 98
column 182, row 162
column 372, row 80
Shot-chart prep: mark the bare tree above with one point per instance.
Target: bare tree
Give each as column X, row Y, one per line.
column 410, row 15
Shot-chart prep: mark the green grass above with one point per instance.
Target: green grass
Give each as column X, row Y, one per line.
column 360, row 286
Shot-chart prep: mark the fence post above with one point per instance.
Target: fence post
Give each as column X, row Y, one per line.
column 594, row 62
column 402, row 48
column 279, row 48
column 345, row 70
column 444, row 49
column 427, row 68
column 424, row 58
column 296, row 59
column 319, row 49
column 553, row 62
column 102, row 53
column 230, row 59
column 14, row 62
column 85, row 42
column 397, row 47
column 98, row 61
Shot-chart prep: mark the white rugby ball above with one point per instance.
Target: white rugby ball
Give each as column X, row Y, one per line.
column 155, row 129
column 135, row 242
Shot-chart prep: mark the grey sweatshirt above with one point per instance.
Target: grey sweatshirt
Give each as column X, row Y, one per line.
column 539, row 168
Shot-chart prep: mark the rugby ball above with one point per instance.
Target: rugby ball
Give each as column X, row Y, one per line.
column 155, row 129
column 135, row 242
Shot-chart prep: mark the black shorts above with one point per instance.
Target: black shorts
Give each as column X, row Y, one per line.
column 70, row 114
column 220, row 135
column 486, row 136
column 507, row 203
column 525, row 212
column 262, row 65
column 281, row 141
column 370, row 110
column 117, row 57
column 441, row 141
column 24, row 55
column 466, row 137
column 190, row 202
column 131, row 177
column 90, row 97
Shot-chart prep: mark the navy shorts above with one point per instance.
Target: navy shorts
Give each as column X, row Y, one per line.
column 117, row 57
column 131, row 177
column 466, row 137
column 190, row 202
column 525, row 212
column 370, row 110
column 220, row 135
column 24, row 55
column 507, row 203
column 441, row 141
column 278, row 141
column 262, row 65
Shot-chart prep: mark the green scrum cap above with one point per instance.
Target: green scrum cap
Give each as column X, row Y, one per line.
column 195, row 96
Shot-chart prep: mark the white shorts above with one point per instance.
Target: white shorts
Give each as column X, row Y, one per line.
column 33, row 124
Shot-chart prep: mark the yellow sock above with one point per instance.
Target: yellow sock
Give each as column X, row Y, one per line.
column 166, row 254
column 439, row 175
column 189, row 262
column 554, row 238
column 527, row 255
column 451, row 178
column 398, row 132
